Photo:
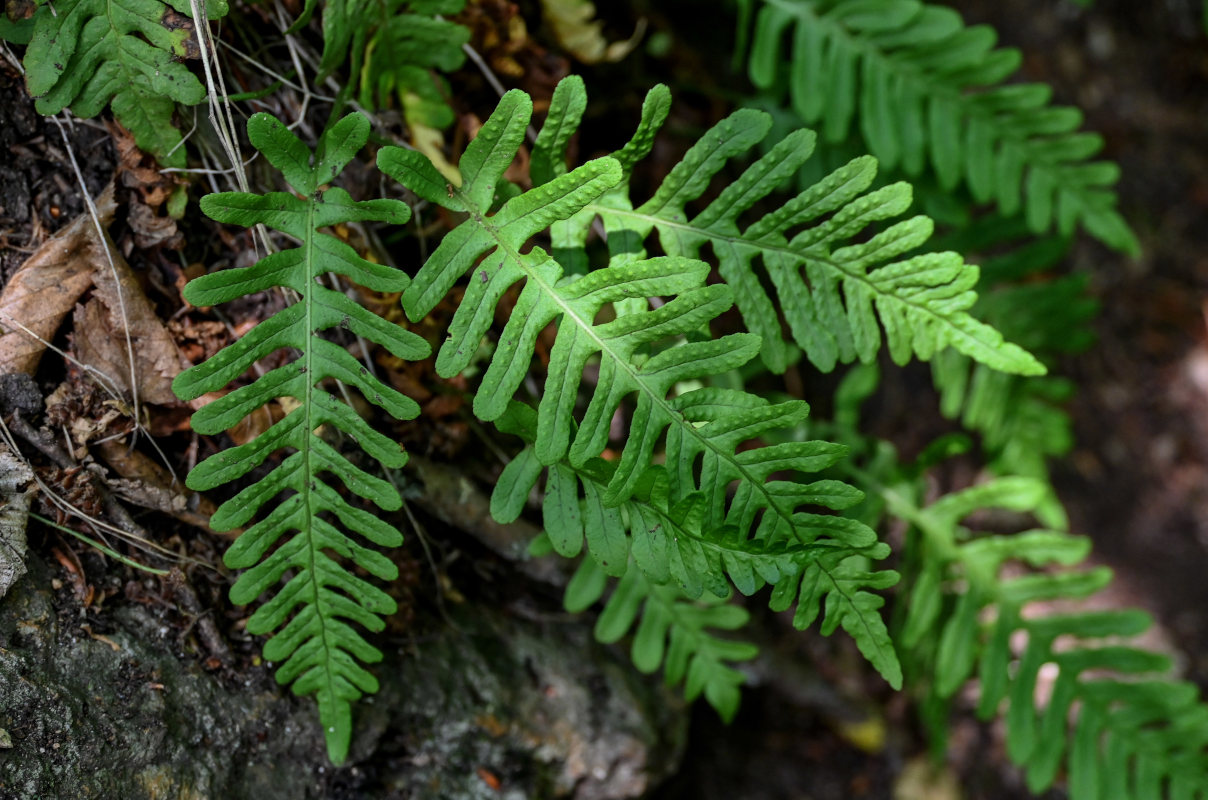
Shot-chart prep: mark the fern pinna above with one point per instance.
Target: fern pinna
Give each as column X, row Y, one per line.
column 835, row 296
column 87, row 53
column 922, row 87
column 317, row 646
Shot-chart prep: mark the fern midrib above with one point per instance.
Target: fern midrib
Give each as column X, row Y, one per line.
column 662, row 403
column 796, row 256
column 929, row 87
column 308, row 432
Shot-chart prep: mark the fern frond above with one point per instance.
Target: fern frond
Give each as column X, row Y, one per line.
column 1113, row 719
column 125, row 53
column 391, row 49
column 317, row 646
column 640, row 352
column 835, row 296
column 672, row 633
column 667, row 531
column 923, row 88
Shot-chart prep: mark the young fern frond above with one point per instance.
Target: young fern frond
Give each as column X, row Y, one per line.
column 318, row 647
column 699, row 422
column 925, row 89
column 89, row 53
column 835, row 296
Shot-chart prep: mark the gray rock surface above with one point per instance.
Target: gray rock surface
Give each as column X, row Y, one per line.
column 496, row 707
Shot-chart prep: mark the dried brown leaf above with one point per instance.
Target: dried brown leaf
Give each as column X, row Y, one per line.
column 47, row 286
column 102, row 331
column 575, row 24
column 151, row 230
column 146, row 483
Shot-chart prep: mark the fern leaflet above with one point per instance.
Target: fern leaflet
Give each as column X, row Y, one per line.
column 831, row 293
column 311, row 613
column 87, row 53
column 923, row 87
column 641, row 351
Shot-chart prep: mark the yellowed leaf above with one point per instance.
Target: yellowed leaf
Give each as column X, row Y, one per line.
column 577, row 29
column 868, row 734
column 430, row 141
column 921, row 779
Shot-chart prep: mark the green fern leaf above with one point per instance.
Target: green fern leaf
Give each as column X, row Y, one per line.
column 490, row 248
column 835, row 296
column 317, row 646
column 87, row 53
column 922, row 87
column 392, row 49
column 671, row 632
column 1125, row 711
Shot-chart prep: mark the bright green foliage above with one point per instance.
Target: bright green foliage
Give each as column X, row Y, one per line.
column 317, row 645
column 391, row 48
column 87, row 53
column 923, row 88
column 1113, row 722
column 831, row 292
column 666, row 530
column 649, row 350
